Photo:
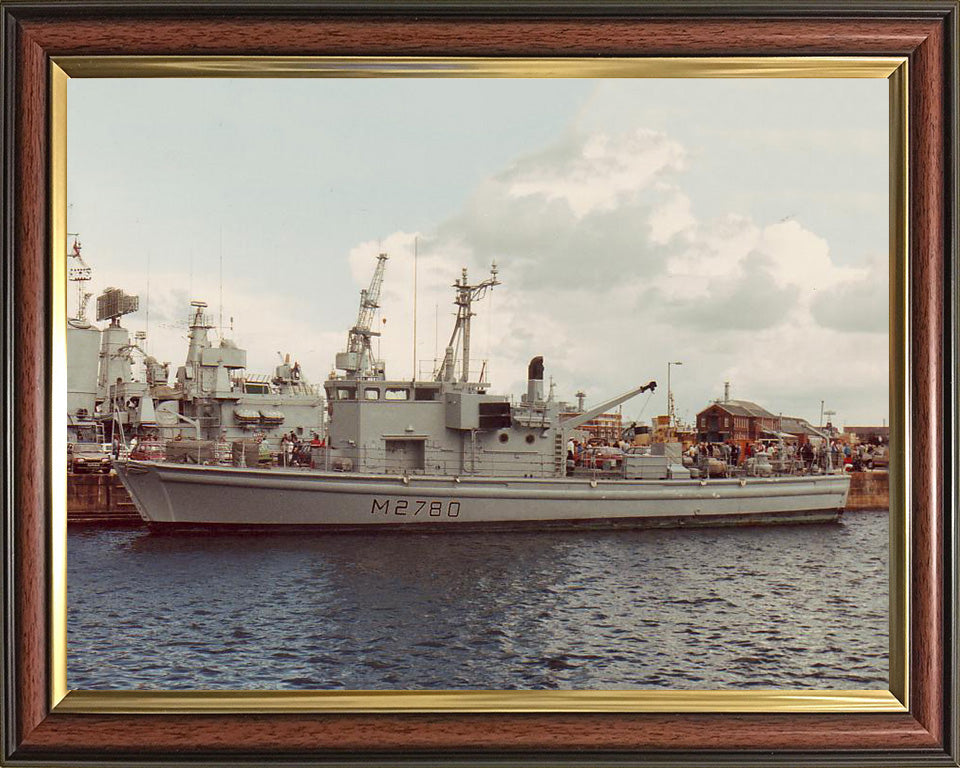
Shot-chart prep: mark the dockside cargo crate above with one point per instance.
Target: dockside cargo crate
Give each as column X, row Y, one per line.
column 191, row 451
column 640, row 467
column 246, row 453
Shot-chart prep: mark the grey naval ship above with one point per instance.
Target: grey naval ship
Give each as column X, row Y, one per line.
column 212, row 397
column 446, row 454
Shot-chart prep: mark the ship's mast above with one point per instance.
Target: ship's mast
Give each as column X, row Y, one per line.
column 199, row 325
column 79, row 273
column 465, row 295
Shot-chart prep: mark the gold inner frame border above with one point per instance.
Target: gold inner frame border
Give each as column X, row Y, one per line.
column 894, row 69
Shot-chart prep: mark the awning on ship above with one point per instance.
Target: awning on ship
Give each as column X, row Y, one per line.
column 245, row 414
column 274, row 416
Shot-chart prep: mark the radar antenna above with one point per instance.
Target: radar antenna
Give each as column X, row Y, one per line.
column 466, row 294
column 359, row 360
column 113, row 304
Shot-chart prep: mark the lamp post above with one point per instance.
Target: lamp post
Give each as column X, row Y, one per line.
column 670, row 396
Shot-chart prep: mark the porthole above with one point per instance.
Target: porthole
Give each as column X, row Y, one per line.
column 504, row 437
column 530, row 439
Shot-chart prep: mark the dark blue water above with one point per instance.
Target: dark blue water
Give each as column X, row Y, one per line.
column 796, row 607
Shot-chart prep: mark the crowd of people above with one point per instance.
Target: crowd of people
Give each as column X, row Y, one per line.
column 295, row 452
column 595, row 453
column 805, row 456
column 782, row 455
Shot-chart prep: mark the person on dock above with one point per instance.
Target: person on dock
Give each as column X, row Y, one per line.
column 734, row 454
column 806, row 453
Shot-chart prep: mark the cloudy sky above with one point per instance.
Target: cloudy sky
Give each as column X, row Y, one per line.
column 738, row 226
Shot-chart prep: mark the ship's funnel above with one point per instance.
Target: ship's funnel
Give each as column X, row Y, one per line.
column 535, row 380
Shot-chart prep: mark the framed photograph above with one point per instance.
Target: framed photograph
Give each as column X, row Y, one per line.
column 573, row 191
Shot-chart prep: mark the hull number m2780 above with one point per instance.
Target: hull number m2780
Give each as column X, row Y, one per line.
column 415, row 507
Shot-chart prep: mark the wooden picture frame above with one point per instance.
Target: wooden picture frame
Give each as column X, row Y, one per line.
column 35, row 33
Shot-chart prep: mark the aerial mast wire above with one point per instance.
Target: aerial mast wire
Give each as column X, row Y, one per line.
column 146, row 340
column 413, row 377
column 220, row 329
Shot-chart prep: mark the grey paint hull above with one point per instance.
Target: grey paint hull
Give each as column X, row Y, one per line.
column 183, row 496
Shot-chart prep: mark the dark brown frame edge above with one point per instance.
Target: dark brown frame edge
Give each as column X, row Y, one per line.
column 926, row 32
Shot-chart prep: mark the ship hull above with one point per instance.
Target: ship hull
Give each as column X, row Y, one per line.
column 183, row 497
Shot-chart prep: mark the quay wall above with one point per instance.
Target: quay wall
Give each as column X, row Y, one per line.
column 868, row 490
column 98, row 499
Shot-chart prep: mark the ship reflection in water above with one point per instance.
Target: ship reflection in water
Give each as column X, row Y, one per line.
column 788, row 607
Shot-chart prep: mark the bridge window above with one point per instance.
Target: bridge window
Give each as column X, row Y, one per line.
column 371, row 393
column 396, row 394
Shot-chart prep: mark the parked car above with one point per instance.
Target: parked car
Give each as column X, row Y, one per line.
column 149, row 450
column 880, row 458
column 87, row 457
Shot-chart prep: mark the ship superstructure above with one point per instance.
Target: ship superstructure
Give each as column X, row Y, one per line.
column 450, row 425
column 83, row 344
column 213, row 396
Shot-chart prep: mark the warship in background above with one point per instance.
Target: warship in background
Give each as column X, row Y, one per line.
column 212, row 397
column 446, row 454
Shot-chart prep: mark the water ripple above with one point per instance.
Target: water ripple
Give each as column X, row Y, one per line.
column 792, row 607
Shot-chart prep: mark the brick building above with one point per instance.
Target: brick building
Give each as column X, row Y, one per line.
column 606, row 426
column 737, row 420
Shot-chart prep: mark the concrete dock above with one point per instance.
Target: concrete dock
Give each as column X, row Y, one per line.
column 868, row 490
column 98, row 499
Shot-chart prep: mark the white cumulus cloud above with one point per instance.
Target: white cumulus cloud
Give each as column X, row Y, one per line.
column 608, row 273
column 598, row 172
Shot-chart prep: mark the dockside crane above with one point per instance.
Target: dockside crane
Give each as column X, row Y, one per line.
column 358, row 361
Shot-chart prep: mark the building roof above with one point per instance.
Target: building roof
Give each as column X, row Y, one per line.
column 868, row 430
column 796, row 426
column 742, row 408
